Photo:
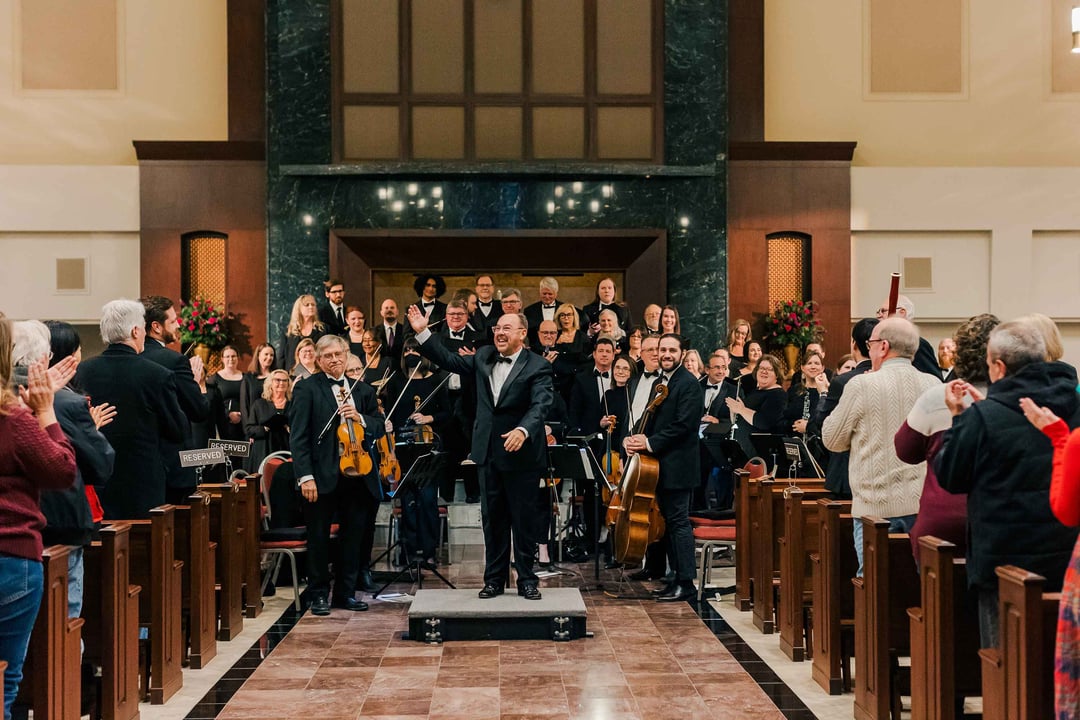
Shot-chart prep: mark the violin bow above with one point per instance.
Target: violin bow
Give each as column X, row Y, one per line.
column 432, row 393
column 403, row 389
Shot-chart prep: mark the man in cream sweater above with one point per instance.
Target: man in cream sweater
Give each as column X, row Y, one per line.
column 872, row 409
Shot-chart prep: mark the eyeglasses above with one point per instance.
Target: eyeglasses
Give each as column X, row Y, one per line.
column 280, row 380
column 872, row 341
column 354, row 371
column 510, row 301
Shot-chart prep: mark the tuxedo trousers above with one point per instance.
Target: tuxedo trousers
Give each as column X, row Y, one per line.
column 351, row 504
column 512, row 504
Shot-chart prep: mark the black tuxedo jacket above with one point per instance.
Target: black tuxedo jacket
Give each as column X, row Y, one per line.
column 586, row 408
column 437, row 313
column 523, row 402
column 148, row 415
column 718, row 407
column 535, row 315
column 193, row 402
column 391, row 351
column 330, row 320
column 592, row 314
column 672, row 432
column 484, row 324
column 471, row 338
column 313, row 404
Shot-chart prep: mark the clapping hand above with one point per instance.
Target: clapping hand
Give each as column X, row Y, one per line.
column 102, row 414
column 38, row 392
column 62, row 372
column 1040, row 417
column 417, row 319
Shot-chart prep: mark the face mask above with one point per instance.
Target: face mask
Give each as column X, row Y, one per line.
column 412, row 361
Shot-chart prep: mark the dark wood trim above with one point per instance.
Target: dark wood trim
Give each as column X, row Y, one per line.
column 405, row 99
column 246, row 150
column 246, row 37
column 795, row 151
column 746, row 70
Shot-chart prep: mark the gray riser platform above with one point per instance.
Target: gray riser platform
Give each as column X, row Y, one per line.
column 439, row 615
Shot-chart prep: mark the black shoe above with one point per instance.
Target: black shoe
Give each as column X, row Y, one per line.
column 490, row 591
column 643, row 574
column 669, row 587
column 429, row 565
column 679, row 592
column 612, row 564
column 349, row 603
column 529, row 591
column 366, row 582
column 320, row 607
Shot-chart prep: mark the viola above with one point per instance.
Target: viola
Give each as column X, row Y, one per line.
column 424, row 433
column 389, row 467
column 355, row 461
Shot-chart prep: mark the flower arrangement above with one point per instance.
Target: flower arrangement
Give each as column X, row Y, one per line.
column 792, row 322
column 203, row 324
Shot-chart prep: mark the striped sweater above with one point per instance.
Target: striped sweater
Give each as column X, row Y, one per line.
column 872, row 409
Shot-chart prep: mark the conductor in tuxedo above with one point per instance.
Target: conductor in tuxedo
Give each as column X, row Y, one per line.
column 671, row 435
column 316, row 399
column 513, row 393
column 162, row 330
column 148, row 414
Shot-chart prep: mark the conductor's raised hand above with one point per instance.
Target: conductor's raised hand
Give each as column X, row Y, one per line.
column 417, row 319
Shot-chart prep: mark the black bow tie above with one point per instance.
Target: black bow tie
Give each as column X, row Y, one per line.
column 457, row 335
column 605, row 307
column 549, row 307
column 484, row 304
column 711, row 387
column 597, row 373
column 429, row 304
column 503, row 359
column 652, row 374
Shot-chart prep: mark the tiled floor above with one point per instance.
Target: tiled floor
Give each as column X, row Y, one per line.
column 645, row 660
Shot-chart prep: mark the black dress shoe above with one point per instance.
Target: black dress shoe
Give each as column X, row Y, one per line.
column 366, row 582
column 320, row 607
column 667, row 588
column 529, row 591
column 349, row 603
column 679, row 592
column 643, row 574
column 490, row 591
column 612, row 564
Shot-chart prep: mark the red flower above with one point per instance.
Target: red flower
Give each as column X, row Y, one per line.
column 788, row 328
column 212, row 320
column 191, row 326
column 195, row 304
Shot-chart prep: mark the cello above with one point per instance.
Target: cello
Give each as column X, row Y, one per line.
column 634, row 514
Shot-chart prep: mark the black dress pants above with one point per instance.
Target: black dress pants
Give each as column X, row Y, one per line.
column 511, row 504
column 351, row 504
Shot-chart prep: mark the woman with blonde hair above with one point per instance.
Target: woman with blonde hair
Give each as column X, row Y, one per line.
column 304, row 357
column 691, row 360
column 1055, row 348
column 304, row 324
column 737, row 340
column 268, row 422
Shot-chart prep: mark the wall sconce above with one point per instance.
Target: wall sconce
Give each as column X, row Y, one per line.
column 1076, row 30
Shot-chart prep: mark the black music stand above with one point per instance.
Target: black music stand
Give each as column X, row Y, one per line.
column 789, row 454
column 425, row 471
column 577, row 462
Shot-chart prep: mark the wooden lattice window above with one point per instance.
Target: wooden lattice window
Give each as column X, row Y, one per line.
column 203, row 263
column 789, row 267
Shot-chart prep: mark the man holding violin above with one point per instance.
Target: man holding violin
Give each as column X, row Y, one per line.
column 513, row 393
column 671, row 435
column 331, row 474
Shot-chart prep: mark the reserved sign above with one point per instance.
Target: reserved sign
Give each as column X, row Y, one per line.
column 198, row 458
column 235, row 448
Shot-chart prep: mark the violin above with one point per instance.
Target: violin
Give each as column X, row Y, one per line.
column 611, row 463
column 554, row 481
column 389, row 467
column 424, row 433
column 355, row 461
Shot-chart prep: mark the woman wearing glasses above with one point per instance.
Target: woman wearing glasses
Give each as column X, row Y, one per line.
column 763, row 410
column 268, row 421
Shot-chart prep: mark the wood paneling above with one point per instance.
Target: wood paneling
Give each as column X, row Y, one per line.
column 746, row 70
column 247, row 69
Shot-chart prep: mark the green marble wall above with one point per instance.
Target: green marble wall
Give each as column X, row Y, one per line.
column 307, row 196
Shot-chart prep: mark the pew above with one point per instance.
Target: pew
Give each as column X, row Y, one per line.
column 834, row 564
column 889, row 586
column 225, row 530
column 1018, row 677
column 746, row 489
column 944, row 635
column 250, row 514
column 194, row 548
column 800, row 540
column 154, row 567
column 51, row 675
column 766, row 527
column 111, row 632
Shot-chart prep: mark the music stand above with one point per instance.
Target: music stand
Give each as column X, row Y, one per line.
column 789, row 454
column 425, row 471
column 577, row 462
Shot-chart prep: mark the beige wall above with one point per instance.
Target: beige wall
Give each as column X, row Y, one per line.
column 1002, row 240
column 173, row 86
column 816, row 88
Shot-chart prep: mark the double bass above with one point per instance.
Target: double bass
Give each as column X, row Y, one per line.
column 634, row 514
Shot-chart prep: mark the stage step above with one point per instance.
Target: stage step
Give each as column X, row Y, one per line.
column 439, row 615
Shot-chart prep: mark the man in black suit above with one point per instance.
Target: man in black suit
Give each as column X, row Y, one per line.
column 671, row 436
column 545, row 307
column 390, row 333
column 605, row 300
column 925, row 358
column 326, row 489
column 836, row 474
column 715, row 428
column 487, row 307
column 332, row 314
column 641, row 393
column 459, row 337
column 148, row 412
column 429, row 288
column 584, row 413
column 162, row 330
column 513, row 393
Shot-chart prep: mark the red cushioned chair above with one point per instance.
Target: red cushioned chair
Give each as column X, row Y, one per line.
column 280, row 537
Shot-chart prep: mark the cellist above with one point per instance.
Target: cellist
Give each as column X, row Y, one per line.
column 325, row 489
column 671, row 436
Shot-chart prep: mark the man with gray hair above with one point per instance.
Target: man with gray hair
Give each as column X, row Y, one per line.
column 1004, row 464
column 871, row 410
column 924, row 359
column 148, row 413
